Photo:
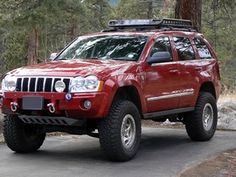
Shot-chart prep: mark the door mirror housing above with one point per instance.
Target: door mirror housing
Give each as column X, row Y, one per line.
column 53, row 56
column 160, row 57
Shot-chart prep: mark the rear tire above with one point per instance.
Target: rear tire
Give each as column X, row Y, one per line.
column 120, row 131
column 20, row 137
column 202, row 122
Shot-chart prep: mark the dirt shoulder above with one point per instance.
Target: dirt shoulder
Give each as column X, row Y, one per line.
column 223, row 165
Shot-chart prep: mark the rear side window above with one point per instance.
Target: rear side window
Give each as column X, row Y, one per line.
column 202, row 48
column 162, row 44
column 184, row 48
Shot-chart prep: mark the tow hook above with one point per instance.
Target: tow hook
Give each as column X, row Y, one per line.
column 14, row 106
column 51, row 108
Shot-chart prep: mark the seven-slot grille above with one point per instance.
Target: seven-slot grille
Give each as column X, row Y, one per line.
column 40, row 84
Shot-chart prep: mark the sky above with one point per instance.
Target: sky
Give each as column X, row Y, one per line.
column 114, row 2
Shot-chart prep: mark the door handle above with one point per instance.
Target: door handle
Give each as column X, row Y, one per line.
column 174, row 71
column 198, row 68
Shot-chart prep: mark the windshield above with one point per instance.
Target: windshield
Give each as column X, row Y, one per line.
column 116, row 47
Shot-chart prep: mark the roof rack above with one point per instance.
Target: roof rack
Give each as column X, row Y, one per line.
column 151, row 24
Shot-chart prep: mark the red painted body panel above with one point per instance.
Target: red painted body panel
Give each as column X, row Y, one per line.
column 73, row 68
column 161, row 81
column 73, row 107
column 155, row 84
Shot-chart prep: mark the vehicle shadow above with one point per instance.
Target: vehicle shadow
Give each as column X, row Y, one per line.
column 151, row 145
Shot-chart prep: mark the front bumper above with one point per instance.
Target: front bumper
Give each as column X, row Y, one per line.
column 73, row 108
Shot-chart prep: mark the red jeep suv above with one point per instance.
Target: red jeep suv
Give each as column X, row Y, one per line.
column 103, row 84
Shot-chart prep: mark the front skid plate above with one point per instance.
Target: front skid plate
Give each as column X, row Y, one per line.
column 46, row 120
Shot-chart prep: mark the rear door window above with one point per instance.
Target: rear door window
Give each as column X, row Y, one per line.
column 202, row 48
column 184, row 48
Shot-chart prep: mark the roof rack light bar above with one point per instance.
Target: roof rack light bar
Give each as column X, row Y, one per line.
column 150, row 23
column 133, row 23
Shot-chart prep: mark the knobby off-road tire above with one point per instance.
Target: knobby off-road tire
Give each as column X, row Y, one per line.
column 120, row 131
column 202, row 122
column 20, row 137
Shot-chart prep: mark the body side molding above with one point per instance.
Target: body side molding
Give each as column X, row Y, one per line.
column 154, row 115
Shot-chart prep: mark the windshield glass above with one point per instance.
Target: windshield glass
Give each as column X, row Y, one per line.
column 116, row 47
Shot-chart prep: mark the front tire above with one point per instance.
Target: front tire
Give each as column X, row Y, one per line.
column 120, row 131
column 202, row 122
column 20, row 137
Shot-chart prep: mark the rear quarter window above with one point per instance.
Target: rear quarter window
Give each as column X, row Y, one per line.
column 202, row 49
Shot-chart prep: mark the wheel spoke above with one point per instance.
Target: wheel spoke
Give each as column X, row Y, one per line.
column 207, row 117
column 128, row 131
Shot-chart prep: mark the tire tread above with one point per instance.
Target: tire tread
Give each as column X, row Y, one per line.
column 193, row 121
column 13, row 132
column 109, row 131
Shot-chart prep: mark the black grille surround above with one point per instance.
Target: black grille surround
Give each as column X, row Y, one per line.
column 40, row 84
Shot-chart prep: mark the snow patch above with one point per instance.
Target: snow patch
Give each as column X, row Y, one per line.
column 227, row 115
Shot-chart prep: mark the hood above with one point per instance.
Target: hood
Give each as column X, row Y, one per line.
column 73, row 68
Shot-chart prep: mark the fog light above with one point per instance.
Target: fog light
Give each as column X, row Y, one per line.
column 87, row 104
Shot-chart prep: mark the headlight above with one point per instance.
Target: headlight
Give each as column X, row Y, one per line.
column 9, row 83
column 87, row 84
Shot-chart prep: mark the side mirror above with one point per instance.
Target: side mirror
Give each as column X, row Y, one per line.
column 159, row 57
column 53, row 56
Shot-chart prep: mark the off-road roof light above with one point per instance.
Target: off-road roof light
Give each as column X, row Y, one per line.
column 144, row 24
column 133, row 23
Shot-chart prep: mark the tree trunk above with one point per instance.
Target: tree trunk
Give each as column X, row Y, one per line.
column 150, row 10
column 189, row 10
column 165, row 8
column 73, row 31
column 33, row 47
